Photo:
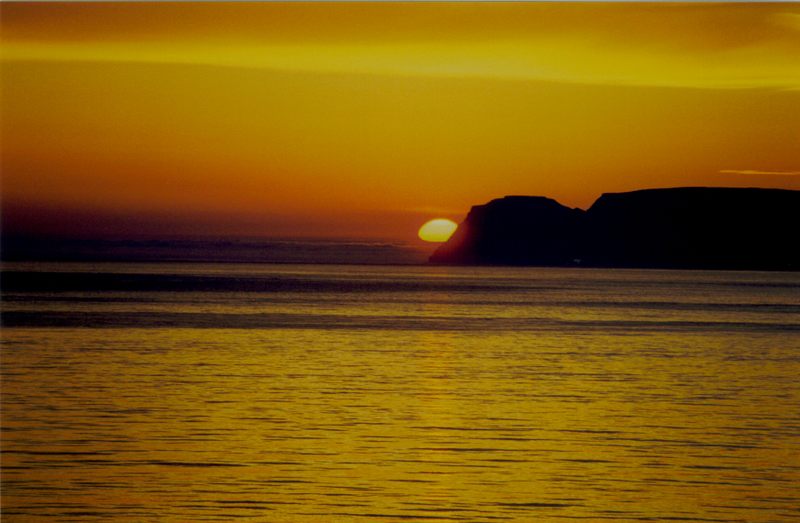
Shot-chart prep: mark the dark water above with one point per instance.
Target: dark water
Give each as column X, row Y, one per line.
column 16, row 248
column 191, row 392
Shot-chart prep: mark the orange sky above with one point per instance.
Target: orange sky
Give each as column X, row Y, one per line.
column 367, row 119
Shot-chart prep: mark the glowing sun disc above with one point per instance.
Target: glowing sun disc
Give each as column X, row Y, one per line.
column 438, row 230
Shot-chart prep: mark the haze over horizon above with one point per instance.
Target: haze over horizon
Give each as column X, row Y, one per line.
column 366, row 120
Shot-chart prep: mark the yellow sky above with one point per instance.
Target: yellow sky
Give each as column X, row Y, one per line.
column 366, row 119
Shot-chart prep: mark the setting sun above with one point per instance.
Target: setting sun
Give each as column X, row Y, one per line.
column 438, row 230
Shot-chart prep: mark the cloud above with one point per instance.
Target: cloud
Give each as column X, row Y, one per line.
column 704, row 46
column 759, row 172
column 563, row 58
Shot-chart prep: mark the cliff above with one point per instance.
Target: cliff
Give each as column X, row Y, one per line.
column 682, row 228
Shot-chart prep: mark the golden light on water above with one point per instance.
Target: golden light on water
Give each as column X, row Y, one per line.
column 438, row 230
column 393, row 384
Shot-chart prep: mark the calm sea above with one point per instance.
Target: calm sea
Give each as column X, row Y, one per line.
column 315, row 393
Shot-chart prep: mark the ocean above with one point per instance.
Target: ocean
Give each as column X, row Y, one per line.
column 337, row 393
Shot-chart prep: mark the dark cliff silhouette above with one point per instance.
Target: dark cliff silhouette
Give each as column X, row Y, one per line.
column 681, row 228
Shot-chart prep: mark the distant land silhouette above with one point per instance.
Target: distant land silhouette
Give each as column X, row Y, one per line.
column 679, row 228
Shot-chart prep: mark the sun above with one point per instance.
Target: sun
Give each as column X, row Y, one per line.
column 438, row 230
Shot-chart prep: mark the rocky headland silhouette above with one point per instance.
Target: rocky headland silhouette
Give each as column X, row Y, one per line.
column 676, row 228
